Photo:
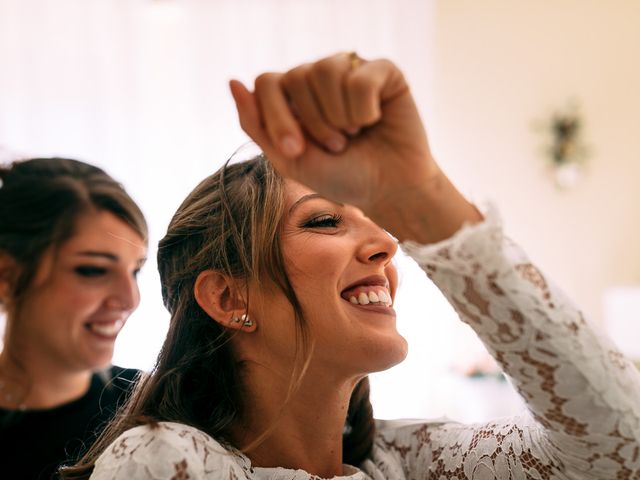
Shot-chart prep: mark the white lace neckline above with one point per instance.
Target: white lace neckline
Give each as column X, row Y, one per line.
column 279, row 473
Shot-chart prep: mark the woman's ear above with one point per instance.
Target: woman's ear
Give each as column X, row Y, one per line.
column 217, row 295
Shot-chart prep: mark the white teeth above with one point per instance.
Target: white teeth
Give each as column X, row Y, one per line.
column 384, row 298
column 372, row 297
column 363, row 299
column 107, row 329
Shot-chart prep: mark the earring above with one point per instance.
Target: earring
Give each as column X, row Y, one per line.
column 235, row 319
column 246, row 321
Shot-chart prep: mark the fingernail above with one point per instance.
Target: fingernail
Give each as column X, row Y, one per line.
column 336, row 144
column 290, row 145
column 353, row 131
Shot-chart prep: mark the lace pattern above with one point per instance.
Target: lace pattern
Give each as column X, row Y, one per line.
column 583, row 396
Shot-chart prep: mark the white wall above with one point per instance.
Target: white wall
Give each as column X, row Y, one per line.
column 501, row 67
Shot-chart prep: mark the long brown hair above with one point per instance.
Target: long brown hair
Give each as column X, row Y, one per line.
column 231, row 222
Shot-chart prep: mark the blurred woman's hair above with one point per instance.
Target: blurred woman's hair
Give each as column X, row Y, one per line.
column 231, row 222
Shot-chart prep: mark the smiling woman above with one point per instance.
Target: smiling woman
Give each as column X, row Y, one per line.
column 89, row 286
column 71, row 245
column 279, row 279
column 336, row 255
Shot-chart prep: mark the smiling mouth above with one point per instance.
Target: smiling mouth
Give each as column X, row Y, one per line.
column 370, row 293
column 375, row 296
column 382, row 306
column 106, row 329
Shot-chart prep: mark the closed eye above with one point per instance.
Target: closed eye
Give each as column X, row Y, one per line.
column 324, row 221
column 90, row 271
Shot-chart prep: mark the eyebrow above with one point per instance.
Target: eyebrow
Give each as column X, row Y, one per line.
column 92, row 253
column 108, row 256
column 308, row 197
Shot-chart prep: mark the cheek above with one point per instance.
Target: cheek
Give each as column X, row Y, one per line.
column 71, row 298
column 276, row 335
column 315, row 265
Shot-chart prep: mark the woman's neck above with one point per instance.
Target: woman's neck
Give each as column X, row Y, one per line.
column 304, row 433
column 30, row 383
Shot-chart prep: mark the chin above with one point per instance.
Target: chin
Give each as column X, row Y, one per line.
column 97, row 362
column 384, row 355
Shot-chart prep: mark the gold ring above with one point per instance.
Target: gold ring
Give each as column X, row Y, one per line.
column 354, row 60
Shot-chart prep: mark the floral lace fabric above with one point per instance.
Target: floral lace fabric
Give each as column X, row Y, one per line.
column 583, row 396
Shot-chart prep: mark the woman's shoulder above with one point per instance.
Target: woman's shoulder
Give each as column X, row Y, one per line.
column 501, row 448
column 443, row 431
column 407, row 429
column 177, row 433
column 165, row 450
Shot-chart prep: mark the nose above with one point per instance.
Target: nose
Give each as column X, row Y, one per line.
column 125, row 294
column 377, row 246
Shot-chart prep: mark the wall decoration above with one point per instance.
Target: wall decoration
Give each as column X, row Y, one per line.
column 566, row 151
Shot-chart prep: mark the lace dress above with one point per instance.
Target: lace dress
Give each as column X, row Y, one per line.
column 583, row 396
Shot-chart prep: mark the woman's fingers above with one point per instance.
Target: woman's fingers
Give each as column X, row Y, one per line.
column 363, row 96
column 327, row 79
column 251, row 122
column 306, row 103
column 322, row 101
column 341, row 94
column 277, row 117
column 368, row 87
column 248, row 113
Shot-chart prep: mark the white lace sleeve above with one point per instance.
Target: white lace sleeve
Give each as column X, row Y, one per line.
column 166, row 451
column 583, row 395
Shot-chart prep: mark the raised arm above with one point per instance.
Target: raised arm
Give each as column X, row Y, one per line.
column 349, row 129
column 582, row 394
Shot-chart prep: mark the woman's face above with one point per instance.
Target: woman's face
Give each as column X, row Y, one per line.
column 81, row 295
column 340, row 265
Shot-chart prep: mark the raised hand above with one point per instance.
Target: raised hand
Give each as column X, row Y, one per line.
column 345, row 127
column 348, row 129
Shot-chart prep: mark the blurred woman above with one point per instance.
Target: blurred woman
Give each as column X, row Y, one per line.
column 71, row 244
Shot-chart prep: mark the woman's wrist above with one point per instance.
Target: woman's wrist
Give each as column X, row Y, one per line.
column 425, row 214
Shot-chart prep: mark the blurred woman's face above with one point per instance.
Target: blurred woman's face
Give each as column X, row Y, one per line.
column 340, row 265
column 81, row 295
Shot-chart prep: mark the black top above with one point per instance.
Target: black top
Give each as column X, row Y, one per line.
column 34, row 443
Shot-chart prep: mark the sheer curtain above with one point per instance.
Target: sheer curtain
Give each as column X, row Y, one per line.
column 139, row 87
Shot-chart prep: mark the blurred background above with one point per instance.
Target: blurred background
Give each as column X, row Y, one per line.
column 533, row 105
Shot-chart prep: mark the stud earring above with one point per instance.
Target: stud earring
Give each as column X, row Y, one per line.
column 235, row 319
column 246, row 321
